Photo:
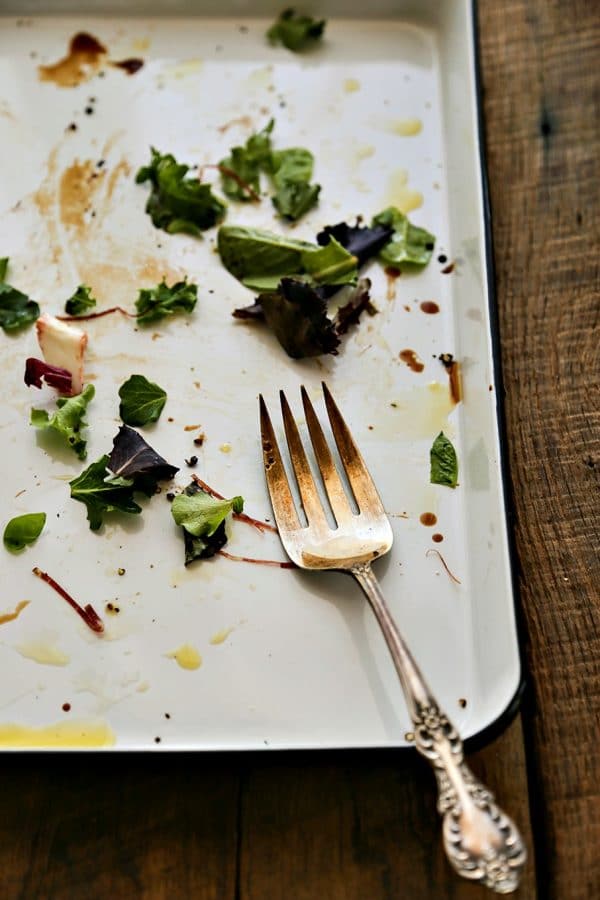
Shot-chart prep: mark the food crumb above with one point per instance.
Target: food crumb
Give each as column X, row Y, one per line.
column 170, row 419
column 71, row 127
column 199, row 441
column 409, row 736
column 462, row 702
column 191, row 427
column 157, row 740
column 120, row 571
column 167, row 715
column 66, row 707
column 192, row 461
column 437, row 537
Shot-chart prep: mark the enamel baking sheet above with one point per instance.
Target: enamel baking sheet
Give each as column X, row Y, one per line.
column 289, row 660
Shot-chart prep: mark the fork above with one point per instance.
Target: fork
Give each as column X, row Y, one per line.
column 482, row 843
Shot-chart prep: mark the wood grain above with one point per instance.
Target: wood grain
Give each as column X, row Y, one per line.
column 542, row 106
column 89, row 827
column 351, row 826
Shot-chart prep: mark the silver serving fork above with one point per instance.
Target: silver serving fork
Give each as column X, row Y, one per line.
column 482, row 843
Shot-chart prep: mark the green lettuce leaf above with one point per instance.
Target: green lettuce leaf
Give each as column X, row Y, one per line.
column 443, row 462
column 247, row 163
column 23, row 530
column 176, row 203
column 251, row 254
column 81, row 302
column 294, row 31
column 202, row 518
column 101, row 496
column 331, row 264
column 16, row 308
column 68, row 420
column 409, row 245
column 142, row 401
column 155, row 303
column 291, row 171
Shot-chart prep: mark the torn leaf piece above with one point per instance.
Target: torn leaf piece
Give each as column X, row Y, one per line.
column 16, row 308
column 161, row 301
column 100, row 496
column 443, row 462
column 176, row 203
column 359, row 240
column 291, row 171
column 297, row 315
column 54, row 376
column 409, row 245
column 247, row 163
column 133, row 460
column 202, row 518
column 68, row 420
column 63, row 345
column 81, row 302
column 296, row 32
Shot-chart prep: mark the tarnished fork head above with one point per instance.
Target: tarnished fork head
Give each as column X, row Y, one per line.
column 358, row 537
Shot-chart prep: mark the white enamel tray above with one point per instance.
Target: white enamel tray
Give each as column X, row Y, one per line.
column 289, row 660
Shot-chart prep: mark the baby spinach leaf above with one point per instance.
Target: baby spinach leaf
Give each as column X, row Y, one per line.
column 247, row 163
column 294, row 31
column 81, row 302
column 176, row 203
column 443, row 462
column 23, row 530
column 142, row 401
column 68, row 420
column 156, row 303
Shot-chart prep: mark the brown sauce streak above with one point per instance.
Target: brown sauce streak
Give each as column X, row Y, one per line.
column 80, row 64
column 245, row 121
column 410, row 357
column 448, row 269
column 452, row 367
column 131, row 66
column 73, row 193
column 437, row 537
column 428, row 519
column 392, row 273
column 430, row 307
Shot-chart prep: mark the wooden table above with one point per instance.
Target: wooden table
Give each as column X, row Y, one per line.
column 360, row 825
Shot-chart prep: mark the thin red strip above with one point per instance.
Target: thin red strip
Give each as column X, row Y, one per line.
column 87, row 613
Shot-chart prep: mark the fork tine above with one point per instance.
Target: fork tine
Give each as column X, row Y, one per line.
column 311, row 502
column 363, row 487
column 329, row 474
column 284, row 508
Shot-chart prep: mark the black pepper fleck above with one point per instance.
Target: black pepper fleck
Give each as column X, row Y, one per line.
column 192, row 461
column 170, row 496
column 442, row 258
column 89, row 110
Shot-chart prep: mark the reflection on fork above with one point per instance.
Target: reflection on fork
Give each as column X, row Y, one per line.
column 481, row 841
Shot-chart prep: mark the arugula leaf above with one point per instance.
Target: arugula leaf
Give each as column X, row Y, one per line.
column 155, row 303
column 202, row 518
column 16, row 309
column 247, row 163
column 142, row 401
column 23, row 530
column 176, row 203
column 297, row 315
column 81, row 301
column 100, row 496
column 360, row 241
column 68, row 419
column 133, row 461
column 291, row 172
column 443, row 462
column 409, row 245
column 294, row 31
column 253, row 255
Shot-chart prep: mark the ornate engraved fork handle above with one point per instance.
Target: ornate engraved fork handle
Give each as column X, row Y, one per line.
column 482, row 843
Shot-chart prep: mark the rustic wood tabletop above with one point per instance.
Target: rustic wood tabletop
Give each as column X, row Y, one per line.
column 361, row 825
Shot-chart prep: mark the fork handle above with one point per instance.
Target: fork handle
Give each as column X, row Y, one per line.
column 482, row 843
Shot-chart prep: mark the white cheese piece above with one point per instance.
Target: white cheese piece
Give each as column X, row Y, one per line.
column 62, row 345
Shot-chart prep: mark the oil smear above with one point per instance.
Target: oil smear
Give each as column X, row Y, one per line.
column 221, row 636
column 399, row 193
column 44, row 653
column 61, row 734
column 186, row 657
column 10, row 617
